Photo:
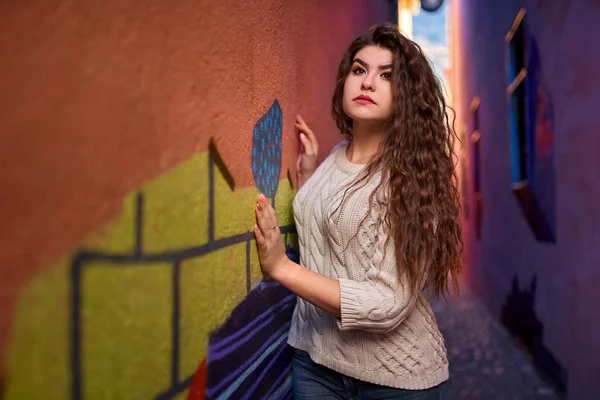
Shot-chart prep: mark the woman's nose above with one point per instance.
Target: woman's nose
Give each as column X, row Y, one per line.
column 367, row 83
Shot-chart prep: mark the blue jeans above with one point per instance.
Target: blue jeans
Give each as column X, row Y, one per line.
column 313, row 381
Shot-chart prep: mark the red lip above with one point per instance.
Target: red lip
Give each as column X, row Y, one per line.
column 363, row 99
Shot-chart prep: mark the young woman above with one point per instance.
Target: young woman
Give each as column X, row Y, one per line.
column 377, row 221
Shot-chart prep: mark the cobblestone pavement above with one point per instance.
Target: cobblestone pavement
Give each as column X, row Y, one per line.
column 485, row 362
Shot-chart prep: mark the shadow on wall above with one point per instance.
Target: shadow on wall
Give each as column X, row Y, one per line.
column 518, row 315
column 171, row 280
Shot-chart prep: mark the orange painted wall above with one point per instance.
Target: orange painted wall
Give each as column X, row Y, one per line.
column 97, row 97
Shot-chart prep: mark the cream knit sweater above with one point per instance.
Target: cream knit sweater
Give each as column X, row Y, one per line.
column 384, row 335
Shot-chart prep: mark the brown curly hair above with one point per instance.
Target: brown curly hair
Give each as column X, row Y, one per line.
column 417, row 163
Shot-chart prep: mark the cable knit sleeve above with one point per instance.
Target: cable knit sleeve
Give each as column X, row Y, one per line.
column 380, row 301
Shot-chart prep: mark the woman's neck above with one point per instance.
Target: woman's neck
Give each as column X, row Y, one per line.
column 364, row 144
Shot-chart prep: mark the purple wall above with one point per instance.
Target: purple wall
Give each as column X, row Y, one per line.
column 566, row 298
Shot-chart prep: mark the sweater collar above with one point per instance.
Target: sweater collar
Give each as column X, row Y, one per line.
column 343, row 163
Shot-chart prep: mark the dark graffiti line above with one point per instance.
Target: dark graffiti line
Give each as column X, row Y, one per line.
column 251, row 392
column 76, row 328
column 83, row 257
column 175, row 329
column 278, row 382
column 251, row 363
column 248, row 277
column 211, row 200
column 268, row 315
column 138, row 223
column 174, row 255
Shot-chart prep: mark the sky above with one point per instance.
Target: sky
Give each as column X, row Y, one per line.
column 430, row 32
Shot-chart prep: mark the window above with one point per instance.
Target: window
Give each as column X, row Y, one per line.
column 531, row 127
column 517, row 72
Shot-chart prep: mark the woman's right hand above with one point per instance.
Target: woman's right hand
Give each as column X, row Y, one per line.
column 309, row 150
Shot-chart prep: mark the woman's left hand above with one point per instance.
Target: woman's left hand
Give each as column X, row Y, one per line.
column 271, row 250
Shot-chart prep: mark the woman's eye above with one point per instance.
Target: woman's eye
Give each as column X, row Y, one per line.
column 387, row 75
column 358, row 70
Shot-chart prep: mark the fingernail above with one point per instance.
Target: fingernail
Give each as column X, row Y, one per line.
column 302, row 135
column 261, row 197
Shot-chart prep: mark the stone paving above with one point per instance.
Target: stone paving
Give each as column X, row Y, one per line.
column 485, row 362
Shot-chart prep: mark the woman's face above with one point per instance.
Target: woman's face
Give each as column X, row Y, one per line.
column 368, row 86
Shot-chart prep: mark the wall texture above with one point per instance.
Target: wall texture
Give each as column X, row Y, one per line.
column 553, row 285
column 134, row 141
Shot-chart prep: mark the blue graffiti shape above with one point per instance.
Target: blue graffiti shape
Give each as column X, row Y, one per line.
column 248, row 357
column 266, row 150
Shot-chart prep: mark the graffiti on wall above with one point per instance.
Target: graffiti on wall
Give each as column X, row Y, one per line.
column 135, row 310
column 248, row 356
column 541, row 128
column 266, row 151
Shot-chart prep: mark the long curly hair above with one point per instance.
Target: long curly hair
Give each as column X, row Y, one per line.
column 416, row 161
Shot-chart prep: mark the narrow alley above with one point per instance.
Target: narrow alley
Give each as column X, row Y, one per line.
column 485, row 361
column 136, row 137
